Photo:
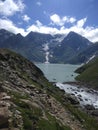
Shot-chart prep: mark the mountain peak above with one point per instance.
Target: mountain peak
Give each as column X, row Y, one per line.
column 75, row 38
column 73, row 34
column 61, row 48
column 37, row 33
column 3, row 31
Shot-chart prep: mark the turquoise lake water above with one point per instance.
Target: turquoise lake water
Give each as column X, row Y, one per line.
column 58, row 72
column 65, row 72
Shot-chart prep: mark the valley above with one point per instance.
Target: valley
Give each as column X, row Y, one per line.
column 64, row 78
column 48, row 65
column 56, row 98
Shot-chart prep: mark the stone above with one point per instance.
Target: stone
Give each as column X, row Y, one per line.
column 4, row 116
column 73, row 100
column 80, row 99
column 6, row 98
column 2, row 104
column 89, row 107
column 95, row 112
column 79, row 95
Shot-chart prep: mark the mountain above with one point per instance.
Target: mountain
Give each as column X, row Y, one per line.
column 31, row 46
column 28, row 101
column 71, row 45
column 4, row 35
column 86, row 55
column 89, row 74
column 76, row 41
column 25, row 100
column 38, row 47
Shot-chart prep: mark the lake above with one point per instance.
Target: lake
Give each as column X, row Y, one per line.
column 58, row 72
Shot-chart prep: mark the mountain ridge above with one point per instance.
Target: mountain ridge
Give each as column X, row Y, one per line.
column 71, row 45
column 61, row 49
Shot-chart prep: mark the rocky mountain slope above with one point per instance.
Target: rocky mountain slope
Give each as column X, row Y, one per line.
column 71, row 46
column 89, row 74
column 86, row 55
column 39, row 47
column 4, row 35
column 28, row 101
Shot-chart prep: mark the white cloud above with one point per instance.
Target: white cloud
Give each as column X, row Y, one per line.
column 57, row 20
column 10, row 7
column 89, row 32
column 39, row 27
column 81, row 22
column 39, row 3
column 10, row 26
column 72, row 20
column 38, row 23
column 26, row 18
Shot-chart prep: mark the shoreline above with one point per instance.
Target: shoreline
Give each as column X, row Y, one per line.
column 81, row 85
column 86, row 96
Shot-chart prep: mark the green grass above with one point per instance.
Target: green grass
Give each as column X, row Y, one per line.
column 51, row 124
column 88, row 122
column 89, row 74
column 33, row 117
column 30, row 114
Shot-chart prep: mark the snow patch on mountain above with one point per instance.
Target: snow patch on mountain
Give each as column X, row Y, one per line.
column 59, row 38
column 91, row 58
column 78, row 48
column 46, row 49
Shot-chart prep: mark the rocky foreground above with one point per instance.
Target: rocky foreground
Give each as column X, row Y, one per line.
column 29, row 102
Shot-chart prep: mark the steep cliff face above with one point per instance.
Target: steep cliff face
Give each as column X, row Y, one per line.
column 29, row 102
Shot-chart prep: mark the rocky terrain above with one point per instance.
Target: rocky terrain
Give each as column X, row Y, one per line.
column 29, row 102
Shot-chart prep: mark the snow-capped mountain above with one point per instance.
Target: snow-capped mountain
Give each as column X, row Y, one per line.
column 46, row 48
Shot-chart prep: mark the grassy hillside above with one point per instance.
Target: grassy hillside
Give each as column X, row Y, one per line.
column 29, row 102
column 89, row 74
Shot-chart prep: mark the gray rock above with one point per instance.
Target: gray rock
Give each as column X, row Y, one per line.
column 95, row 112
column 73, row 100
column 89, row 107
column 4, row 115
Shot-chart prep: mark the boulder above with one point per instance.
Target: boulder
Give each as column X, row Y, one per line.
column 73, row 100
column 95, row 112
column 89, row 107
column 6, row 98
column 4, row 116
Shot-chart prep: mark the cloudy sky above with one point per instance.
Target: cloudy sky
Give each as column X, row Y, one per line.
column 50, row 16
